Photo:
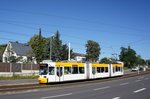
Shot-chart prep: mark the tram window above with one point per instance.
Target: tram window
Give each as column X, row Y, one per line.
column 116, row 69
column 98, row 70
column 74, row 70
column 106, row 69
column 102, row 69
column 43, row 70
column 67, row 70
column 51, row 71
column 93, row 70
column 81, row 70
column 59, row 71
column 121, row 69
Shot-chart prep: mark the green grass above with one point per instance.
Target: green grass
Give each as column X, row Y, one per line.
column 126, row 68
column 148, row 69
column 16, row 77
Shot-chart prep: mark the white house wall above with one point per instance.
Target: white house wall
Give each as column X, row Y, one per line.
column 7, row 54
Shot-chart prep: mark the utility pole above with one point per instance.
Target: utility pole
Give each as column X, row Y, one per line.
column 69, row 53
column 50, row 53
column 138, row 69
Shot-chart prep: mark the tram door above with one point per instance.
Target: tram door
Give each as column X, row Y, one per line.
column 94, row 72
column 110, row 70
column 60, row 74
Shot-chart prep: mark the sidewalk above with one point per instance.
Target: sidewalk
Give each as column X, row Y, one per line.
column 17, row 82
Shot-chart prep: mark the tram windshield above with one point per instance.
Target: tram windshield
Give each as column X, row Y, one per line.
column 43, row 69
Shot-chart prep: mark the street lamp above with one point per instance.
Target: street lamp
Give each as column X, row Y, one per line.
column 50, row 53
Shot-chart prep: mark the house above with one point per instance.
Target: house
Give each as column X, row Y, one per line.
column 79, row 57
column 20, row 51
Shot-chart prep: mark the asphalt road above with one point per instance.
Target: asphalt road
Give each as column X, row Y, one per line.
column 131, row 88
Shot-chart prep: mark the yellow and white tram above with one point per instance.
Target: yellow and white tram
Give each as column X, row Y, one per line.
column 71, row 71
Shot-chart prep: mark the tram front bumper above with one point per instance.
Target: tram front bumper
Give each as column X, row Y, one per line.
column 42, row 80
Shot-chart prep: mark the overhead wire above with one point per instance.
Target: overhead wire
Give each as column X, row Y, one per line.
column 44, row 30
column 71, row 18
column 76, row 19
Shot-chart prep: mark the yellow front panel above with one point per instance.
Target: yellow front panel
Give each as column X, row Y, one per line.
column 69, row 64
column 99, row 65
column 42, row 80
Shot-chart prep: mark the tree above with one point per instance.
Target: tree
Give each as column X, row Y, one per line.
column 140, row 61
column 65, row 51
column 30, row 56
column 38, row 45
column 12, row 59
column 15, row 59
column 92, row 51
column 128, row 56
column 105, row 60
column 108, row 60
column 41, row 47
column 148, row 63
column 56, row 47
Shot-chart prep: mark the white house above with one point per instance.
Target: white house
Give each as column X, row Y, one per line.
column 18, row 50
column 79, row 57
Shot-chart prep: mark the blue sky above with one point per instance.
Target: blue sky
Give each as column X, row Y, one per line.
column 111, row 23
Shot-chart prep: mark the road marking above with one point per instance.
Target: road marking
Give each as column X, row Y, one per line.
column 139, row 90
column 116, row 98
column 124, row 84
column 146, row 78
column 140, row 77
column 137, row 80
column 101, row 88
column 56, row 96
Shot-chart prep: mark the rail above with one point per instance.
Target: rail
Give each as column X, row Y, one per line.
column 22, row 87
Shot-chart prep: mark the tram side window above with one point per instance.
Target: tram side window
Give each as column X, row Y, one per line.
column 51, row 71
column 106, row 69
column 93, row 70
column 67, row 70
column 119, row 69
column 74, row 70
column 98, row 70
column 81, row 70
column 116, row 69
column 59, row 71
column 102, row 69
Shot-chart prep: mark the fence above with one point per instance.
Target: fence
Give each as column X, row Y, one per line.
column 9, row 69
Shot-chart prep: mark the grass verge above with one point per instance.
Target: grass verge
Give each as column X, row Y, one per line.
column 17, row 77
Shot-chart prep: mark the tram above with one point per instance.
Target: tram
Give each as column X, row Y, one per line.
column 71, row 71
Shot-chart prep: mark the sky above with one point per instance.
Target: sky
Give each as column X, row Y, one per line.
column 111, row 23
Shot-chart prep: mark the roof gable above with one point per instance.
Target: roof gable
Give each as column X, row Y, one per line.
column 78, row 54
column 20, row 49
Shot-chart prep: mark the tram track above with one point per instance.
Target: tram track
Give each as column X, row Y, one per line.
column 22, row 87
